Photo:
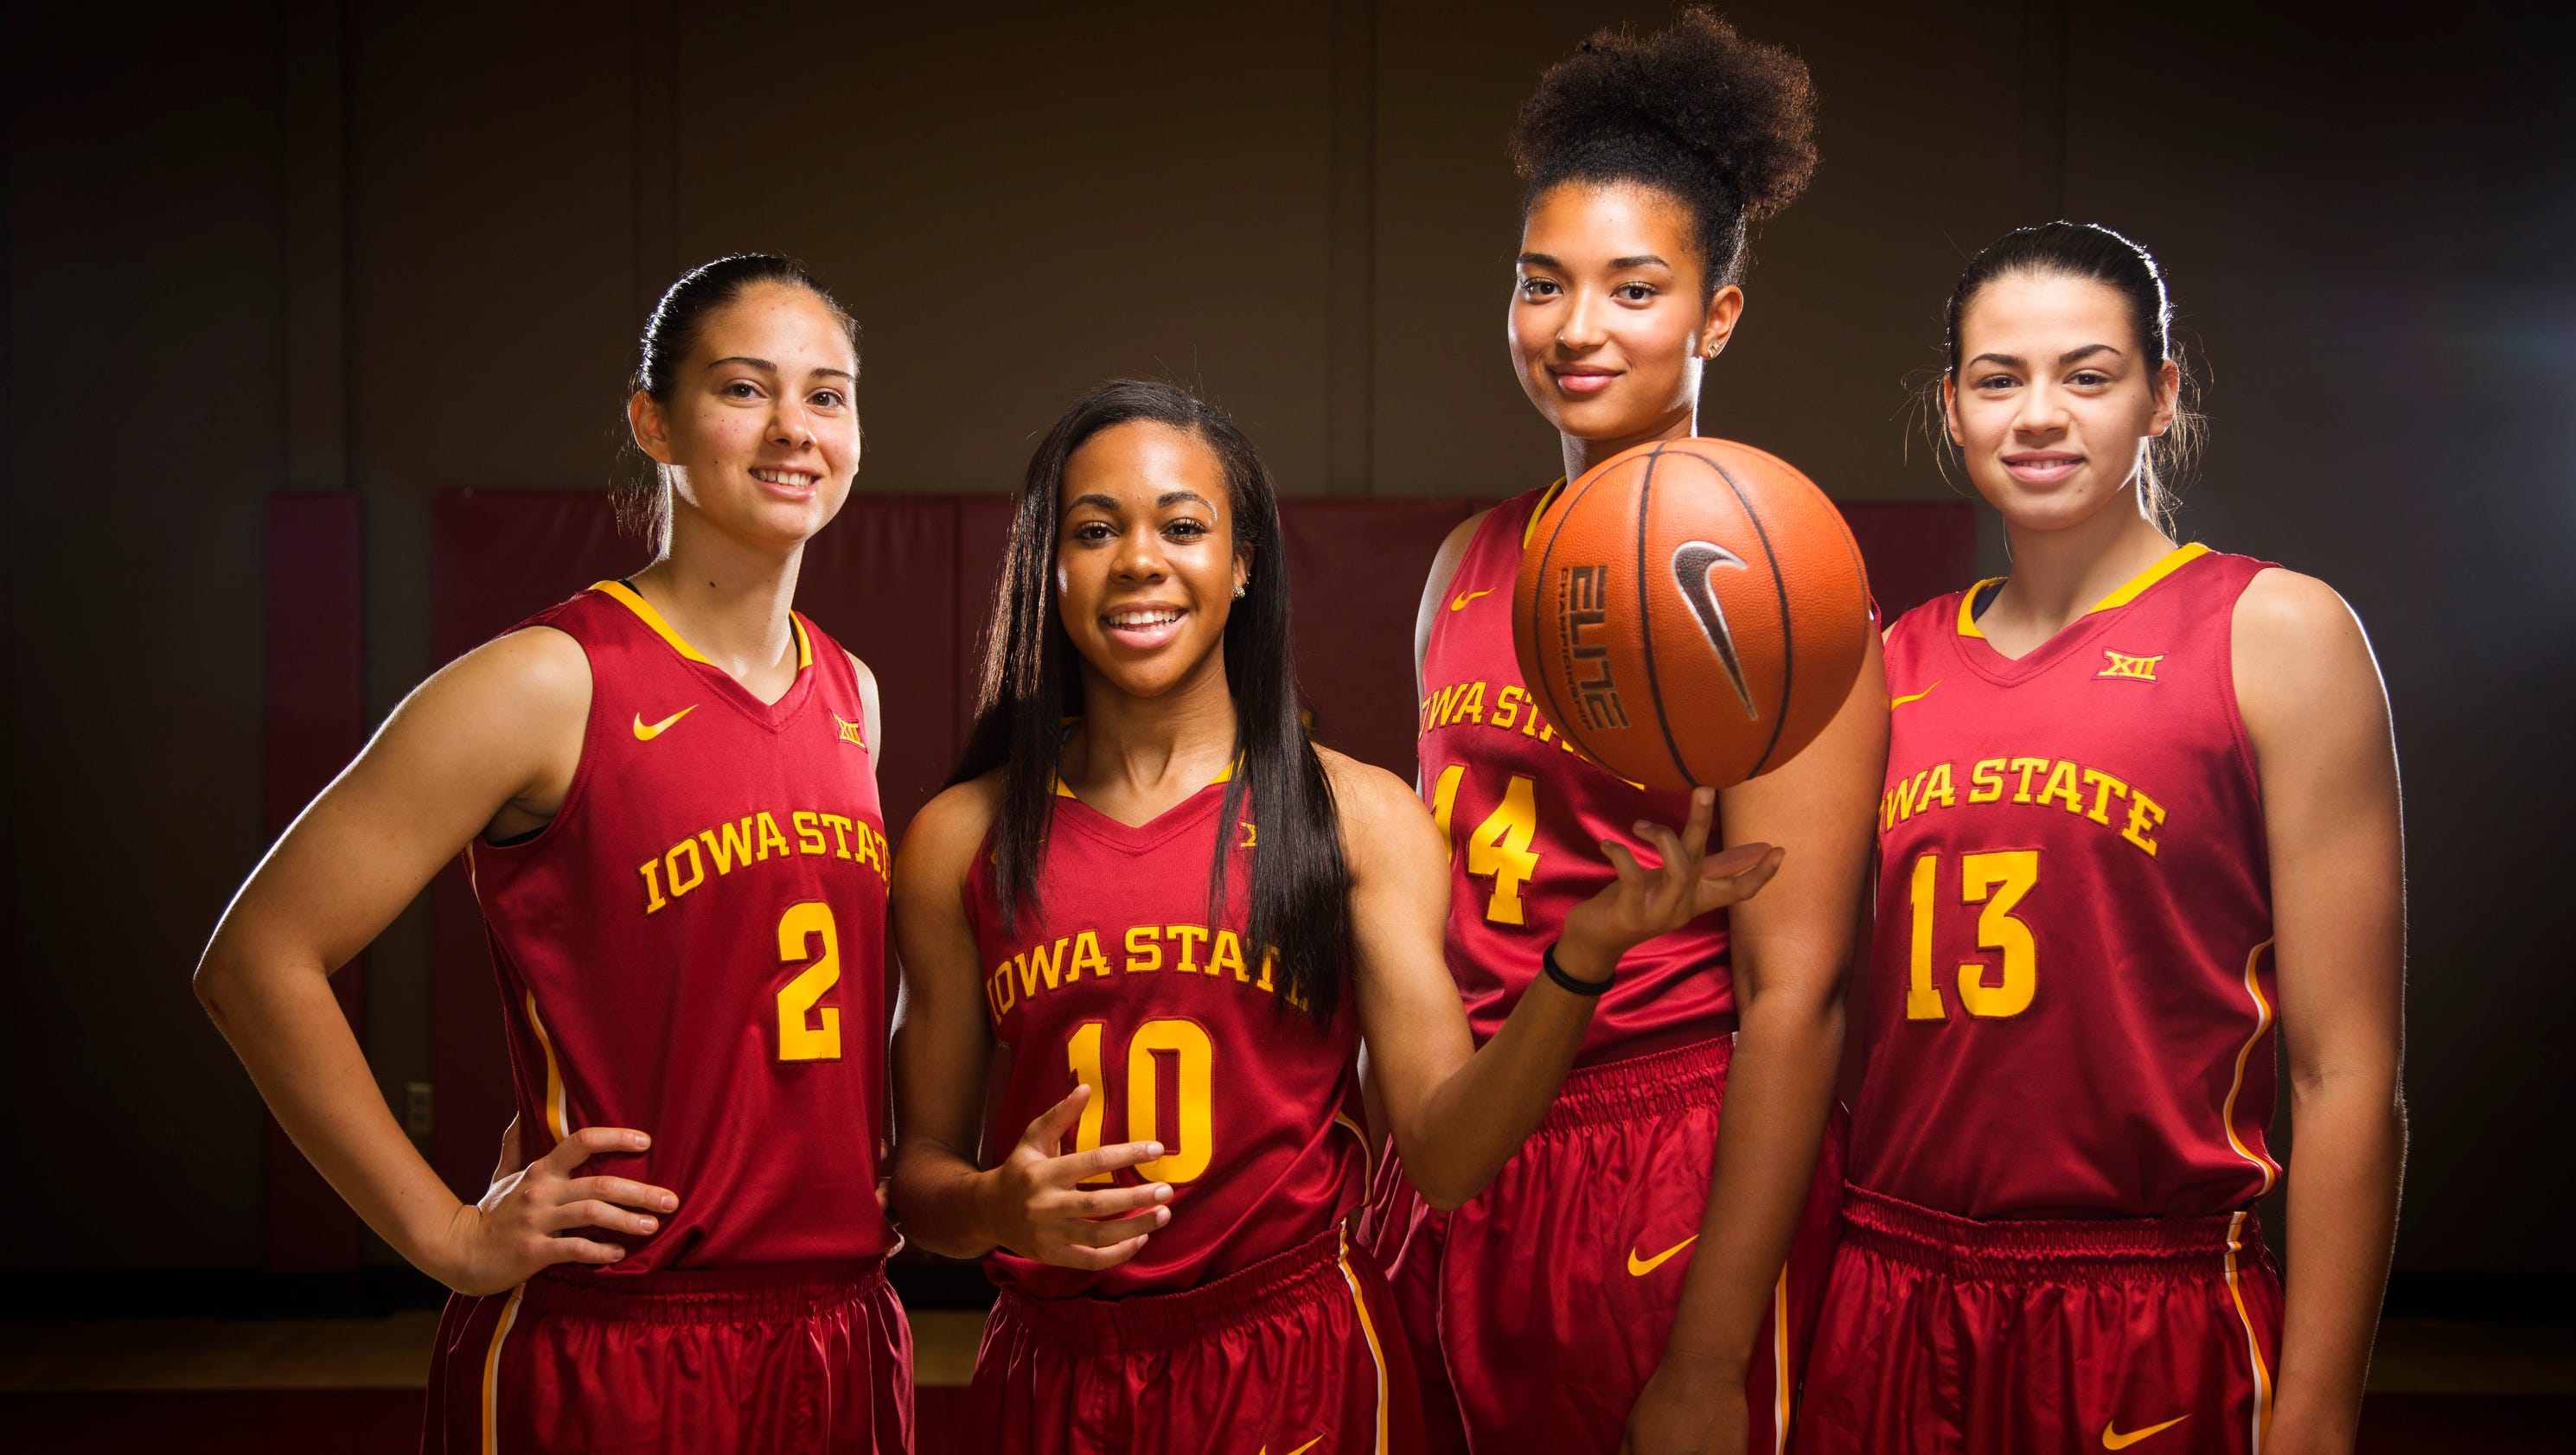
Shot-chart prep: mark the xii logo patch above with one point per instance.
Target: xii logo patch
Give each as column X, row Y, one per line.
column 2136, row 669
column 851, row 733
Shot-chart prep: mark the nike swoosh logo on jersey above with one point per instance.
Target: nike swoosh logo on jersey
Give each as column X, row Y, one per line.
column 645, row 734
column 2112, row 1439
column 1894, row 703
column 1300, row 1450
column 1456, row 603
column 1640, row 1267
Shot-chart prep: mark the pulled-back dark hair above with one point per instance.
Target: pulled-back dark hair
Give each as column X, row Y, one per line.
column 2097, row 254
column 1724, row 125
column 669, row 334
column 1032, row 684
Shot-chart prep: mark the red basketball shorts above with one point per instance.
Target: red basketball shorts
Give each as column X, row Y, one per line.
column 1544, row 1303
column 804, row 1358
column 1296, row 1352
column 1945, row 1336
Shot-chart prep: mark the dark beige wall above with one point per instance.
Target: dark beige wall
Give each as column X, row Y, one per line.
column 405, row 249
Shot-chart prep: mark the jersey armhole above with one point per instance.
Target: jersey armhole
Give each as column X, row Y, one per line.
column 545, row 834
column 2245, row 755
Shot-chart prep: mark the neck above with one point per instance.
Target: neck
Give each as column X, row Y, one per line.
column 2058, row 575
column 1172, row 743
column 728, row 600
column 1582, row 454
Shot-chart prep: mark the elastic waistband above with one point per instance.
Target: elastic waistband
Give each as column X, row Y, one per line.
column 1619, row 1091
column 1281, row 1283
column 2052, row 1250
column 705, row 1295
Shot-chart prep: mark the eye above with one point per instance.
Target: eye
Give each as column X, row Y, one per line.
column 1537, row 288
column 1186, row 529
column 1634, row 293
column 740, row 389
column 827, row 398
column 1092, row 532
column 2089, row 379
column 1997, row 381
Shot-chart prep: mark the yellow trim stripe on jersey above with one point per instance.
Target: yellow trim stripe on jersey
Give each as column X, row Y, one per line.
column 624, row 595
column 2136, row 586
column 1780, row 1365
column 1368, row 1152
column 2253, row 1344
column 1368, row 1330
column 804, row 644
column 492, row 1373
column 2262, row 1023
column 1529, row 527
column 558, row 1121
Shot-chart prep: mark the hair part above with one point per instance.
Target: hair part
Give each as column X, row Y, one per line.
column 1723, row 125
column 677, row 322
column 1032, row 684
column 2094, row 254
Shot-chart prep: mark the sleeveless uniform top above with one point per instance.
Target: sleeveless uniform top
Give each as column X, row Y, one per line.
column 1525, row 818
column 695, row 946
column 2070, row 1005
column 1118, row 981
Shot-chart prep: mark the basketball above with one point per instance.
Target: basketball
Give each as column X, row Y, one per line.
column 1691, row 612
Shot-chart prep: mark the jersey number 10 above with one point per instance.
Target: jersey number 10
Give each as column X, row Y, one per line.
column 1185, row 1044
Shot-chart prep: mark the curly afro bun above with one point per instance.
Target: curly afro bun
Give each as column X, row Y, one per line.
column 1724, row 124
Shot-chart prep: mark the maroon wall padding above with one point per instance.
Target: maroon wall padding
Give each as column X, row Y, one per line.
column 907, row 583
column 1915, row 550
column 314, row 712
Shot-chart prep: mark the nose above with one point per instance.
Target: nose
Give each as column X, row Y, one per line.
column 1139, row 557
column 1579, row 328
column 2042, row 412
column 790, row 425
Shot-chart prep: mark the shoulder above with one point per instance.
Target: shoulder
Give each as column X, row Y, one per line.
column 2281, row 607
column 1378, row 810
column 534, row 671
column 859, row 669
column 940, row 843
column 2300, row 652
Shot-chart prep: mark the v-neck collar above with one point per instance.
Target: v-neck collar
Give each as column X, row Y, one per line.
column 773, row 716
column 1981, row 656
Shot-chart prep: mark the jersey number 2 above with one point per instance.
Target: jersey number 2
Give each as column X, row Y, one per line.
column 1997, row 881
column 798, row 1038
column 1183, row 1042
column 1500, row 846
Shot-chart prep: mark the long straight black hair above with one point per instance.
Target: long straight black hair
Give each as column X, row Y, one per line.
column 1033, row 683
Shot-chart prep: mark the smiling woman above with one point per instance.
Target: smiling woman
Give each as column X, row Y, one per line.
column 682, row 1249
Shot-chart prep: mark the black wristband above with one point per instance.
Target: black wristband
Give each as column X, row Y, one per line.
column 1556, row 972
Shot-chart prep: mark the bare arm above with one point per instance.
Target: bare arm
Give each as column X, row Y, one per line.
column 491, row 740
column 943, row 1049
column 1788, row 951
column 874, row 726
column 1457, row 1111
column 2315, row 709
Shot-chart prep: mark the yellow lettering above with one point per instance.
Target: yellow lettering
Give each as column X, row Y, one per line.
column 651, row 869
column 809, row 830
column 1937, row 786
column 1028, row 977
column 1047, row 961
column 2144, row 815
column 2105, row 787
column 1988, row 776
column 1190, row 936
column 1269, row 958
column 2061, row 784
column 1006, row 994
column 1471, row 704
column 840, row 834
column 1229, row 952
column 769, row 835
column 697, row 867
column 735, row 845
column 2026, row 767
column 1087, row 956
column 1507, row 708
column 1144, row 949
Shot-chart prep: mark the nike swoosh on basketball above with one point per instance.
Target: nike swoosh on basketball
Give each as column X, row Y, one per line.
column 1456, row 603
column 645, row 734
column 1894, row 703
column 2112, row 1439
column 1640, row 1267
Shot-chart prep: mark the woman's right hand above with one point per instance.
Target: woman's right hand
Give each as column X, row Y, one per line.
column 525, row 1222
column 1039, row 1211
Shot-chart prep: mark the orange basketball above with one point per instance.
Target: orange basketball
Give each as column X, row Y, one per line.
column 1691, row 612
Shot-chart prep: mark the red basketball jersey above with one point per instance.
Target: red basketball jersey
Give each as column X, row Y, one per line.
column 2070, row 1002
column 695, row 946
column 1120, row 982
column 1525, row 818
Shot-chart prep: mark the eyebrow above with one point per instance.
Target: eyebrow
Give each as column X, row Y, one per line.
column 1641, row 260
column 2070, row 356
column 769, row 368
column 1164, row 501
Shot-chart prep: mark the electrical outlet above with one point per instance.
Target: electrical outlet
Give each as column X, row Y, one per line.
column 417, row 1106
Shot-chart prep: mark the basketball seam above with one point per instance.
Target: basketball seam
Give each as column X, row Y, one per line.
column 1780, row 591
column 1545, row 553
column 1646, row 622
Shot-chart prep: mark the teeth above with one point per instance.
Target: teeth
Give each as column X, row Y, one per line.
column 784, row 477
column 1143, row 618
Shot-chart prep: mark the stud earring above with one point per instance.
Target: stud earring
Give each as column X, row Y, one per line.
column 1238, row 591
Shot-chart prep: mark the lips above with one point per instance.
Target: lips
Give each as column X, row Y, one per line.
column 790, row 483
column 1142, row 628
column 2042, row 467
column 1583, row 382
